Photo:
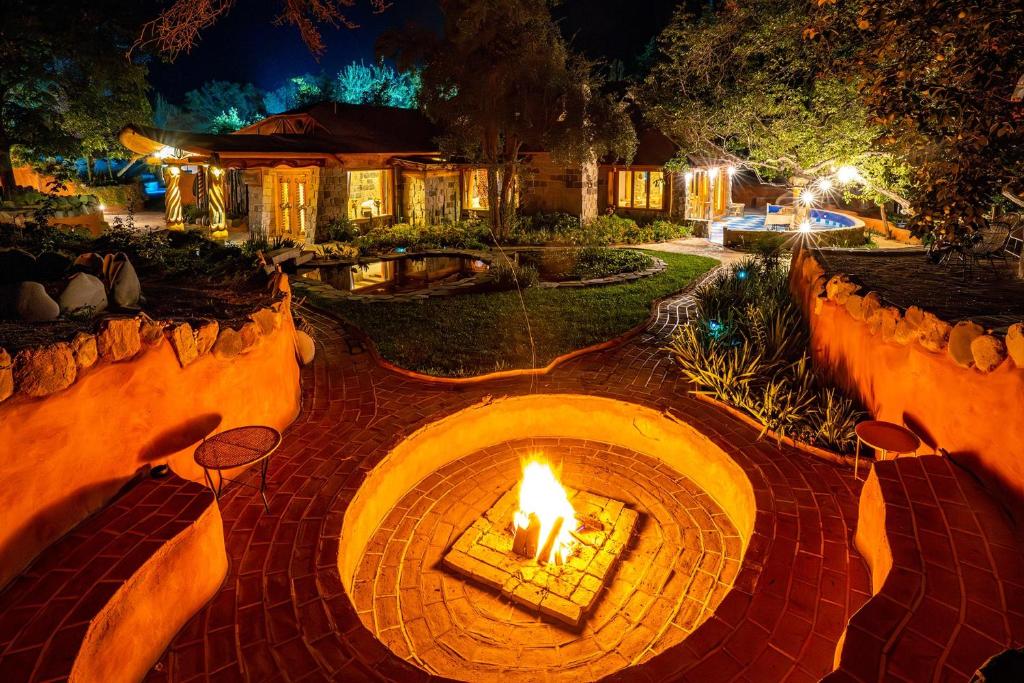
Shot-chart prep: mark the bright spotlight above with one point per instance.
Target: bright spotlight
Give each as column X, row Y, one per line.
column 805, row 226
column 102, row 207
column 164, row 152
column 731, row 171
column 825, row 184
column 847, row 174
column 808, row 197
column 713, row 173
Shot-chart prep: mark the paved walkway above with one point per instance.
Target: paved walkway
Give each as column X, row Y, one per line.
column 283, row 614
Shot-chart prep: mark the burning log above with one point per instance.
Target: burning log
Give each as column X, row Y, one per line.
column 526, row 537
column 549, row 544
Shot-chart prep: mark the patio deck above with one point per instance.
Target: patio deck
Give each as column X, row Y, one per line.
column 993, row 299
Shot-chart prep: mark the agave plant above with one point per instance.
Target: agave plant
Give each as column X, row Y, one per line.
column 725, row 372
column 833, row 420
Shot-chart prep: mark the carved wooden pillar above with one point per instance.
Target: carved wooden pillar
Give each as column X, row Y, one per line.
column 172, row 198
column 215, row 195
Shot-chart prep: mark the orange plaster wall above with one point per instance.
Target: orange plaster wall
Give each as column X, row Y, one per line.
column 976, row 417
column 129, row 634
column 62, row 457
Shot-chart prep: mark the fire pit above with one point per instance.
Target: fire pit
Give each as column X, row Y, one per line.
column 544, row 546
column 454, row 559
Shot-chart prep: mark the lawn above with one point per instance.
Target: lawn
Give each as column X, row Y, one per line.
column 472, row 334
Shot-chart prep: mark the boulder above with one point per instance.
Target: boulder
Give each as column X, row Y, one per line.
column 855, row 306
column 933, row 333
column 85, row 350
column 206, row 336
column 90, row 263
column 6, row 375
column 872, row 302
column 267, row 319
column 120, row 338
column 883, row 322
column 32, row 303
column 84, row 295
column 228, row 344
column 52, row 265
column 184, row 343
column 960, row 338
column 839, row 288
column 305, row 347
column 250, row 334
column 125, row 288
column 45, row 370
column 989, row 352
column 16, row 265
column 151, row 332
column 1015, row 343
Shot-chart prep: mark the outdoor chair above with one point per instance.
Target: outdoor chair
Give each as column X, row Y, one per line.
column 1015, row 240
column 991, row 244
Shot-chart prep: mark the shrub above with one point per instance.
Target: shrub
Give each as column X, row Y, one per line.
column 748, row 345
column 506, row 275
column 448, row 235
column 341, row 230
column 595, row 262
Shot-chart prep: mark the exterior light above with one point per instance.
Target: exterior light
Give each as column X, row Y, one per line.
column 805, row 226
column 825, row 184
column 102, row 207
column 731, row 171
column 808, row 197
column 713, row 173
column 174, row 170
column 847, row 174
column 164, row 152
column 216, row 171
column 688, row 176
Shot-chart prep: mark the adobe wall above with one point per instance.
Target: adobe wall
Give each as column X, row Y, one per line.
column 77, row 419
column 957, row 387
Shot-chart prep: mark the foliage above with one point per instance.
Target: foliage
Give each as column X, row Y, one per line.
column 453, row 235
column 507, row 275
column 748, row 345
column 739, row 82
column 939, row 76
column 499, row 80
column 341, row 229
column 473, row 333
column 178, row 26
column 595, row 262
column 342, row 252
column 65, row 86
column 562, row 229
column 378, row 84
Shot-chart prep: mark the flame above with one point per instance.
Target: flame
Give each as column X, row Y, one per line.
column 541, row 493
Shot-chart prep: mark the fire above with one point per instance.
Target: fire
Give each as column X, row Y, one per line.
column 542, row 496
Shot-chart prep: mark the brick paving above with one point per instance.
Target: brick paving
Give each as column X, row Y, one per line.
column 283, row 614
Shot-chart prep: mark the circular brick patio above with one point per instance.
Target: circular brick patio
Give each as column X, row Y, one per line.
column 284, row 615
column 678, row 567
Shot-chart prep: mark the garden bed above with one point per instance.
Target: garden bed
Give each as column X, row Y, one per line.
column 478, row 333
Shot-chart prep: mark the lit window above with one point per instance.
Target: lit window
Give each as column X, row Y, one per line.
column 368, row 193
column 640, row 189
column 478, row 188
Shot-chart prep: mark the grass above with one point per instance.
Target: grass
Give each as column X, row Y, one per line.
column 472, row 334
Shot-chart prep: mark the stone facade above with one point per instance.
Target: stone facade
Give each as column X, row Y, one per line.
column 332, row 196
column 429, row 197
column 546, row 186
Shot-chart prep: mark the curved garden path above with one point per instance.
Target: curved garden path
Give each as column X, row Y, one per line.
column 282, row 614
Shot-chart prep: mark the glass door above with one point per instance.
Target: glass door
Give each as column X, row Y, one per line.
column 291, row 203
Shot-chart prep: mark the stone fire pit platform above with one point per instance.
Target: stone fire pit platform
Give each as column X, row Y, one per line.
column 565, row 592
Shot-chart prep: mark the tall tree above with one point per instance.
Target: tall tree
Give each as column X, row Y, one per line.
column 939, row 75
column 65, row 85
column 500, row 80
column 210, row 106
column 178, row 27
column 742, row 82
column 378, row 84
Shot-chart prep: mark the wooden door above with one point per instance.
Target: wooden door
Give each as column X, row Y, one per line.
column 291, row 203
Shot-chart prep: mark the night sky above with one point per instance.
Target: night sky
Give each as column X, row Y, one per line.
column 245, row 46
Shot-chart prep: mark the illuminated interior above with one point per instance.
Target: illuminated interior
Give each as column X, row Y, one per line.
column 368, row 195
column 640, row 189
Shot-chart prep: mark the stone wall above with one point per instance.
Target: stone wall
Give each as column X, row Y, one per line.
column 958, row 387
column 545, row 186
column 78, row 418
column 260, row 186
column 332, row 196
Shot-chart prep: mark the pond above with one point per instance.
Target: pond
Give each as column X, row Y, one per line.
column 396, row 274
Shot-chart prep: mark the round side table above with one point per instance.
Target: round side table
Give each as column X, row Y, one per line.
column 238, row 447
column 887, row 437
